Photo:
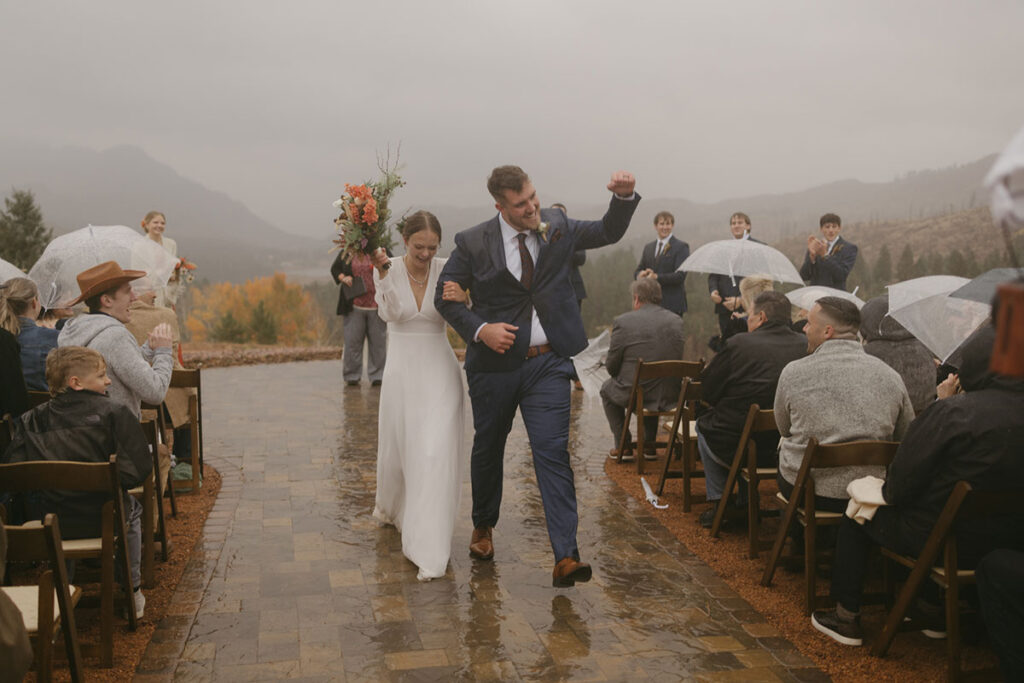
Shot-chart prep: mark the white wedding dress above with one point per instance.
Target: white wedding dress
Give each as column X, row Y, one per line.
column 420, row 423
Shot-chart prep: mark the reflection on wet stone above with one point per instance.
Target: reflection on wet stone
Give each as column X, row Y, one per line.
column 299, row 581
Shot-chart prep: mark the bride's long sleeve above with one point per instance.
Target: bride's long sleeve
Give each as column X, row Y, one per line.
column 389, row 305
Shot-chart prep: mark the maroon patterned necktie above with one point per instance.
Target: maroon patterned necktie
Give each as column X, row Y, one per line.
column 527, row 261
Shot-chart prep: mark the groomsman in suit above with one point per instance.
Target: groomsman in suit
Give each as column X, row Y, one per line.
column 830, row 258
column 523, row 328
column 725, row 290
column 660, row 260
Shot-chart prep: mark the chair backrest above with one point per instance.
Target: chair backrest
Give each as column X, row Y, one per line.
column 184, row 379
column 861, row 453
column 60, row 474
column 757, row 421
column 689, row 394
column 679, row 369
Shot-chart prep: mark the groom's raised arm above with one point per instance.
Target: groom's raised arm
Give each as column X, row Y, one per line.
column 458, row 269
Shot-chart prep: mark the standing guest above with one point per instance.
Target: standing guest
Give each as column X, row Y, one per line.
column 745, row 372
column 13, row 394
column 19, row 308
column 81, row 424
column 661, row 260
column 976, row 436
column 724, row 289
column 830, row 258
column 886, row 339
column 649, row 333
column 836, row 394
column 520, row 334
column 356, row 303
column 154, row 225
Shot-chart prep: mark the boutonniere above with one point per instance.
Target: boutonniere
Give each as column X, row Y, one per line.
column 542, row 231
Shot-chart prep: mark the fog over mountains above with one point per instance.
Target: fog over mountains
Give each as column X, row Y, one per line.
column 76, row 186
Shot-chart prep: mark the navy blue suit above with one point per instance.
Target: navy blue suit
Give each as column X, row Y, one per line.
column 832, row 269
column 499, row 383
column 672, row 281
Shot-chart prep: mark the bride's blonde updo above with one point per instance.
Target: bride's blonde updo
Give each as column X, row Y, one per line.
column 419, row 221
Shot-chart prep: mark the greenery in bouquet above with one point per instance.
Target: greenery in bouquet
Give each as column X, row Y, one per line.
column 363, row 223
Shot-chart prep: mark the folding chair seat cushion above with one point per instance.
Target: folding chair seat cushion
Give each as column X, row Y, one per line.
column 26, row 599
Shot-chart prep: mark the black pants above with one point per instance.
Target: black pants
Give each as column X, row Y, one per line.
column 1000, row 576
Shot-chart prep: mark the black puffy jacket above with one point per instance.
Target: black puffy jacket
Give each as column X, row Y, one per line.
column 81, row 426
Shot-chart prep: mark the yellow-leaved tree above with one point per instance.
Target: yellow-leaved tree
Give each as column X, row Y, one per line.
column 266, row 310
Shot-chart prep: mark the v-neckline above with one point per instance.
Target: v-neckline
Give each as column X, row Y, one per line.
column 409, row 281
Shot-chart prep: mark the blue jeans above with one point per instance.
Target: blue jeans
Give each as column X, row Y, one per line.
column 715, row 473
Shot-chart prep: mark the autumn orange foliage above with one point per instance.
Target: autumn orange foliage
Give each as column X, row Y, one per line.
column 293, row 310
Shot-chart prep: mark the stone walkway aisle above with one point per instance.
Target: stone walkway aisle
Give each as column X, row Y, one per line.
column 296, row 580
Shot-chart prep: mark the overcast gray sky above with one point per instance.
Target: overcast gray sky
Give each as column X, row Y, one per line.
column 279, row 103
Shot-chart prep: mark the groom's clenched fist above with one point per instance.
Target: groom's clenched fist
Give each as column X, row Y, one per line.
column 622, row 183
column 499, row 337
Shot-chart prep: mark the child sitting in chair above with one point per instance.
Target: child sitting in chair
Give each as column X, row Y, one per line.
column 81, row 424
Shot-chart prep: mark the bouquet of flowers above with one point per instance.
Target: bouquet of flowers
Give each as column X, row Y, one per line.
column 362, row 225
column 183, row 271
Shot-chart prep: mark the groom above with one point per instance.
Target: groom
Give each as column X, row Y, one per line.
column 521, row 331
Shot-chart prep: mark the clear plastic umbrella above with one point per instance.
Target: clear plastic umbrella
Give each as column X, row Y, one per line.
column 738, row 258
column 983, row 287
column 66, row 256
column 804, row 297
column 590, row 363
column 940, row 322
column 9, row 270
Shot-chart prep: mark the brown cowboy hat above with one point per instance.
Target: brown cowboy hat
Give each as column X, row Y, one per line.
column 103, row 278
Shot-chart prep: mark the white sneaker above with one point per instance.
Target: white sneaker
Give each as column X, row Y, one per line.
column 140, row 602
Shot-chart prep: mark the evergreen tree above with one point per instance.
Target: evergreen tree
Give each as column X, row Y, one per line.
column 936, row 264
column 905, row 267
column 23, row 235
column 955, row 264
column 860, row 277
column 229, row 329
column 971, row 265
column 263, row 325
column 883, row 267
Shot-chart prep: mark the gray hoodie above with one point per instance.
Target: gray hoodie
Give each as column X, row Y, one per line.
column 133, row 379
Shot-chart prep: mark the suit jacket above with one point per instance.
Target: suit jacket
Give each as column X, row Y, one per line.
column 649, row 333
column 673, row 283
column 575, row 278
column 830, row 270
column 746, row 372
column 478, row 264
column 343, row 267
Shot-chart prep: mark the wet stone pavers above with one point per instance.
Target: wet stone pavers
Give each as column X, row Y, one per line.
column 294, row 579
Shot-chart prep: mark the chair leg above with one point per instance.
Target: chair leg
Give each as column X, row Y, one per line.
column 197, row 464
column 780, row 540
column 107, row 594
column 687, row 479
column 45, row 628
column 810, row 564
column 753, row 512
column 148, row 517
column 899, row 610
column 953, row 628
column 641, row 444
column 723, row 503
column 670, row 451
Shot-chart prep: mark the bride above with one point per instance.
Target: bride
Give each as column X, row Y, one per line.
column 420, row 422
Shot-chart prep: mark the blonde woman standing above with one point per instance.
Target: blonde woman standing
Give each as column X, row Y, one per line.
column 154, row 225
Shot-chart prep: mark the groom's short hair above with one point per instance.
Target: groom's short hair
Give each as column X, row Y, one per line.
column 506, row 178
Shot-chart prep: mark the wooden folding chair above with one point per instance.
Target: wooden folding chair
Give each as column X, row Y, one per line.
column 192, row 379
column 150, row 495
column 41, row 475
column 682, row 442
column 744, row 465
column 963, row 504
column 646, row 373
column 820, row 456
column 161, row 440
column 44, row 619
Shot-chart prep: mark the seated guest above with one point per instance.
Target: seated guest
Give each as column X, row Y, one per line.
column 1000, row 576
column 19, row 308
column 13, row 395
column 836, row 394
column 744, row 373
column 977, row 437
column 649, row 333
column 81, row 424
column 137, row 374
column 829, row 259
column 750, row 287
column 886, row 339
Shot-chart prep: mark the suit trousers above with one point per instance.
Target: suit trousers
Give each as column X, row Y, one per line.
column 364, row 324
column 616, row 416
column 539, row 388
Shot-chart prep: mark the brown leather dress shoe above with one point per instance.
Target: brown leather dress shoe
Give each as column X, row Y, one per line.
column 481, row 547
column 568, row 571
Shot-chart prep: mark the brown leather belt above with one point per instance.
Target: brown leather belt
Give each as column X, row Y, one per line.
column 535, row 351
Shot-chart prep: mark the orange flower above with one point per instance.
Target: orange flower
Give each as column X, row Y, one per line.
column 358, row 192
column 370, row 211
